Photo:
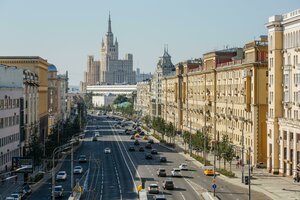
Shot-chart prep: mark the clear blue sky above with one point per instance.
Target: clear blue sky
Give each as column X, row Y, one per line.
column 65, row 31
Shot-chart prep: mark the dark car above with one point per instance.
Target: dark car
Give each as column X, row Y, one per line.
column 142, row 133
column 163, row 159
column 148, row 146
column 151, row 141
column 132, row 137
column 161, row 172
column 141, row 149
column 82, row 159
column 27, row 189
column 94, row 139
column 136, row 142
column 153, row 151
column 148, row 156
column 131, row 148
column 168, row 184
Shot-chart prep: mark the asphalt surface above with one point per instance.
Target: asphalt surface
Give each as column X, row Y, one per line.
column 117, row 175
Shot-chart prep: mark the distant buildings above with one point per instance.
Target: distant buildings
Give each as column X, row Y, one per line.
column 140, row 77
column 110, row 69
column 143, row 99
column 283, row 125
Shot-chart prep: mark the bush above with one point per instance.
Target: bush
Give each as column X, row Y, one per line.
column 201, row 159
column 226, row 173
column 36, row 178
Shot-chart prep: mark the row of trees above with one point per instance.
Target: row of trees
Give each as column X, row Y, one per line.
column 201, row 142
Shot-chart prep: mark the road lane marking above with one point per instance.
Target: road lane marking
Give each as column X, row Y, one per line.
column 191, row 186
column 182, row 195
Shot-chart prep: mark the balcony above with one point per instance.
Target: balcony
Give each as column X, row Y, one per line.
column 288, row 105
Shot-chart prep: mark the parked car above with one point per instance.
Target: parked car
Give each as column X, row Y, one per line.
column 261, row 165
column 107, row 150
column 153, row 188
column 161, row 172
column 97, row 134
column 183, row 166
column 151, row 141
column 27, row 189
column 82, row 159
column 145, row 137
column 58, row 191
column 153, row 151
column 17, row 196
column 168, row 184
column 163, row 159
column 78, row 169
column 131, row 148
column 176, row 172
column 61, row 175
column 148, row 156
column 94, row 139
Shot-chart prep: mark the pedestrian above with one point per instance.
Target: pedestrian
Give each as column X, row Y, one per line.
column 251, row 169
column 238, row 164
column 294, row 178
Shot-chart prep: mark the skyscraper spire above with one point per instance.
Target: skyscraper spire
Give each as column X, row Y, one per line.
column 109, row 24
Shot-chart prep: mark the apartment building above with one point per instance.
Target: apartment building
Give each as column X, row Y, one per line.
column 143, row 99
column 38, row 66
column 283, row 126
column 11, row 92
column 224, row 95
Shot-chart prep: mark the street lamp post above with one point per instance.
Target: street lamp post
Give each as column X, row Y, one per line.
column 243, row 148
column 190, row 138
column 56, row 150
column 249, row 174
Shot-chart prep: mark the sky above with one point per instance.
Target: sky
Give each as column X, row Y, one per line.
column 65, row 32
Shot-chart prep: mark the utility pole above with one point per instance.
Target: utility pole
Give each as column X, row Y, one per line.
column 243, row 149
column 249, row 174
column 190, row 138
column 72, row 167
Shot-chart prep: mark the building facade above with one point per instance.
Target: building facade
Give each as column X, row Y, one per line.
column 38, row 66
column 11, row 92
column 283, row 124
column 110, row 69
column 140, row 77
column 143, row 99
column 164, row 67
column 226, row 94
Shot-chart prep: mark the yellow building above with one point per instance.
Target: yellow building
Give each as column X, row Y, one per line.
column 39, row 66
column 283, row 124
column 226, row 95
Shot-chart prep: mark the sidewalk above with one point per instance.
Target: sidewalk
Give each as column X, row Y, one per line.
column 274, row 186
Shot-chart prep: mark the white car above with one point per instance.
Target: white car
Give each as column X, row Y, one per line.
column 153, row 188
column 183, row 166
column 61, row 175
column 107, row 150
column 97, row 134
column 78, row 169
column 16, row 196
column 176, row 172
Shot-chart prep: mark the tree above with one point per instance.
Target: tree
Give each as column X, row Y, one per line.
column 36, row 151
column 226, row 150
column 147, row 120
column 120, row 99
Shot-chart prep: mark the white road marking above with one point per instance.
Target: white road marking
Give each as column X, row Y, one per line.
column 191, row 186
column 182, row 195
column 102, row 184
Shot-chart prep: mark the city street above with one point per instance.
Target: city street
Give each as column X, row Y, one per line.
column 117, row 175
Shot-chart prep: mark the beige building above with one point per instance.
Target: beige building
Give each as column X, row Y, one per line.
column 226, row 95
column 38, row 66
column 283, row 124
column 143, row 99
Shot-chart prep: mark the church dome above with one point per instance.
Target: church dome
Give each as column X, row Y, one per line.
column 52, row 68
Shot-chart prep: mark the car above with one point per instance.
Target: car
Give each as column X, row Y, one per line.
column 27, row 189
column 136, row 142
column 131, row 148
column 145, row 137
column 142, row 133
column 97, row 134
column 183, row 166
column 163, row 159
column 151, row 141
column 137, row 135
column 176, row 172
column 61, row 175
column 141, row 149
column 9, row 198
column 77, row 169
column 148, row 146
column 161, row 172
column 16, row 196
column 153, row 151
column 153, row 189
column 94, row 139
column 58, row 191
column 159, row 197
column 208, row 172
column 82, row 159
column 148, row 156
column 21, row 192
column 168, row 184
column 132, row 137
column 107, row 150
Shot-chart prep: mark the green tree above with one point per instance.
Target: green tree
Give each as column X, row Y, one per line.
column 226, row 150
column 120, row 99
column 36, row 151
column 147, row 120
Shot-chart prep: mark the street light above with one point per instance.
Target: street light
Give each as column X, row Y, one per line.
column 56, row 150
